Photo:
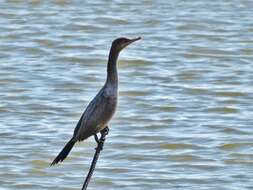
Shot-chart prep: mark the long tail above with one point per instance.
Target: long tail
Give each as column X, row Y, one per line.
column 64, row 153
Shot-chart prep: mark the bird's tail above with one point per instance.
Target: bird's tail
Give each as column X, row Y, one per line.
column 64, row 153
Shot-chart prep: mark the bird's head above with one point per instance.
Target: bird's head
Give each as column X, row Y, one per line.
column 121, row 43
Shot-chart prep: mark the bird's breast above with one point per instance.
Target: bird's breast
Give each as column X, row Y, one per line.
column 111, row 99
column 111, row 91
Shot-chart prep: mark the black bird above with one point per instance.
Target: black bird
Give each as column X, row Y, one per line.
column 101, row 109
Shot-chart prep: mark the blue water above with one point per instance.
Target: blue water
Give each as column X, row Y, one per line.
column 184, row 119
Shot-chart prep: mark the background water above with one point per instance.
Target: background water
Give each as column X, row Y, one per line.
column 184, row 119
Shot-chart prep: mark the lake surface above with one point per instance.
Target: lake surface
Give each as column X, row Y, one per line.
column 185, row 113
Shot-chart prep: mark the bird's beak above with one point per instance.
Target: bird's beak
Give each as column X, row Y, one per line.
column 130, row 41
column 134, row 39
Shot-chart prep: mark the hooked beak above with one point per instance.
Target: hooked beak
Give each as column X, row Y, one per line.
column 134, row 39
column 131, row 41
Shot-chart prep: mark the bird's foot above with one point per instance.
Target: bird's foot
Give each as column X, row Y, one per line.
column 105, row 131
column 96, row 138
column 101, row 140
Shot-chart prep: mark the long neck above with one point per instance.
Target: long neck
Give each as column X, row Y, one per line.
column 112, row 75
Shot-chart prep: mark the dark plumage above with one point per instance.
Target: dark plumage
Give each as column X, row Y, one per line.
column 101, row 109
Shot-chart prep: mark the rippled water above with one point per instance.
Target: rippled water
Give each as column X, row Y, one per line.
column 184, row 119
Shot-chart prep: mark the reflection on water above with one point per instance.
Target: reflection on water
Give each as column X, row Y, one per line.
column 184, row 119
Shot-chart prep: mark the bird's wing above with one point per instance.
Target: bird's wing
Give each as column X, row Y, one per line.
column 90, row 118
column 78, row 125
column 96, row 116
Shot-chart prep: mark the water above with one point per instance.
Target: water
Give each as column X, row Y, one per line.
column 184, row 119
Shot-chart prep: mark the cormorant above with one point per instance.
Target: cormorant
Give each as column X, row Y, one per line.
column 101, row 109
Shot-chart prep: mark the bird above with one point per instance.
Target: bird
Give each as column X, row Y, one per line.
column 101, row 109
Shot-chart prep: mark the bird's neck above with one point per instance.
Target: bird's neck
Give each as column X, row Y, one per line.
column 112, row 74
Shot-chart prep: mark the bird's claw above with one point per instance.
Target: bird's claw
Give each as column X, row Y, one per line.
column 100, row 141
column 96, row 138
column 105, row 131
